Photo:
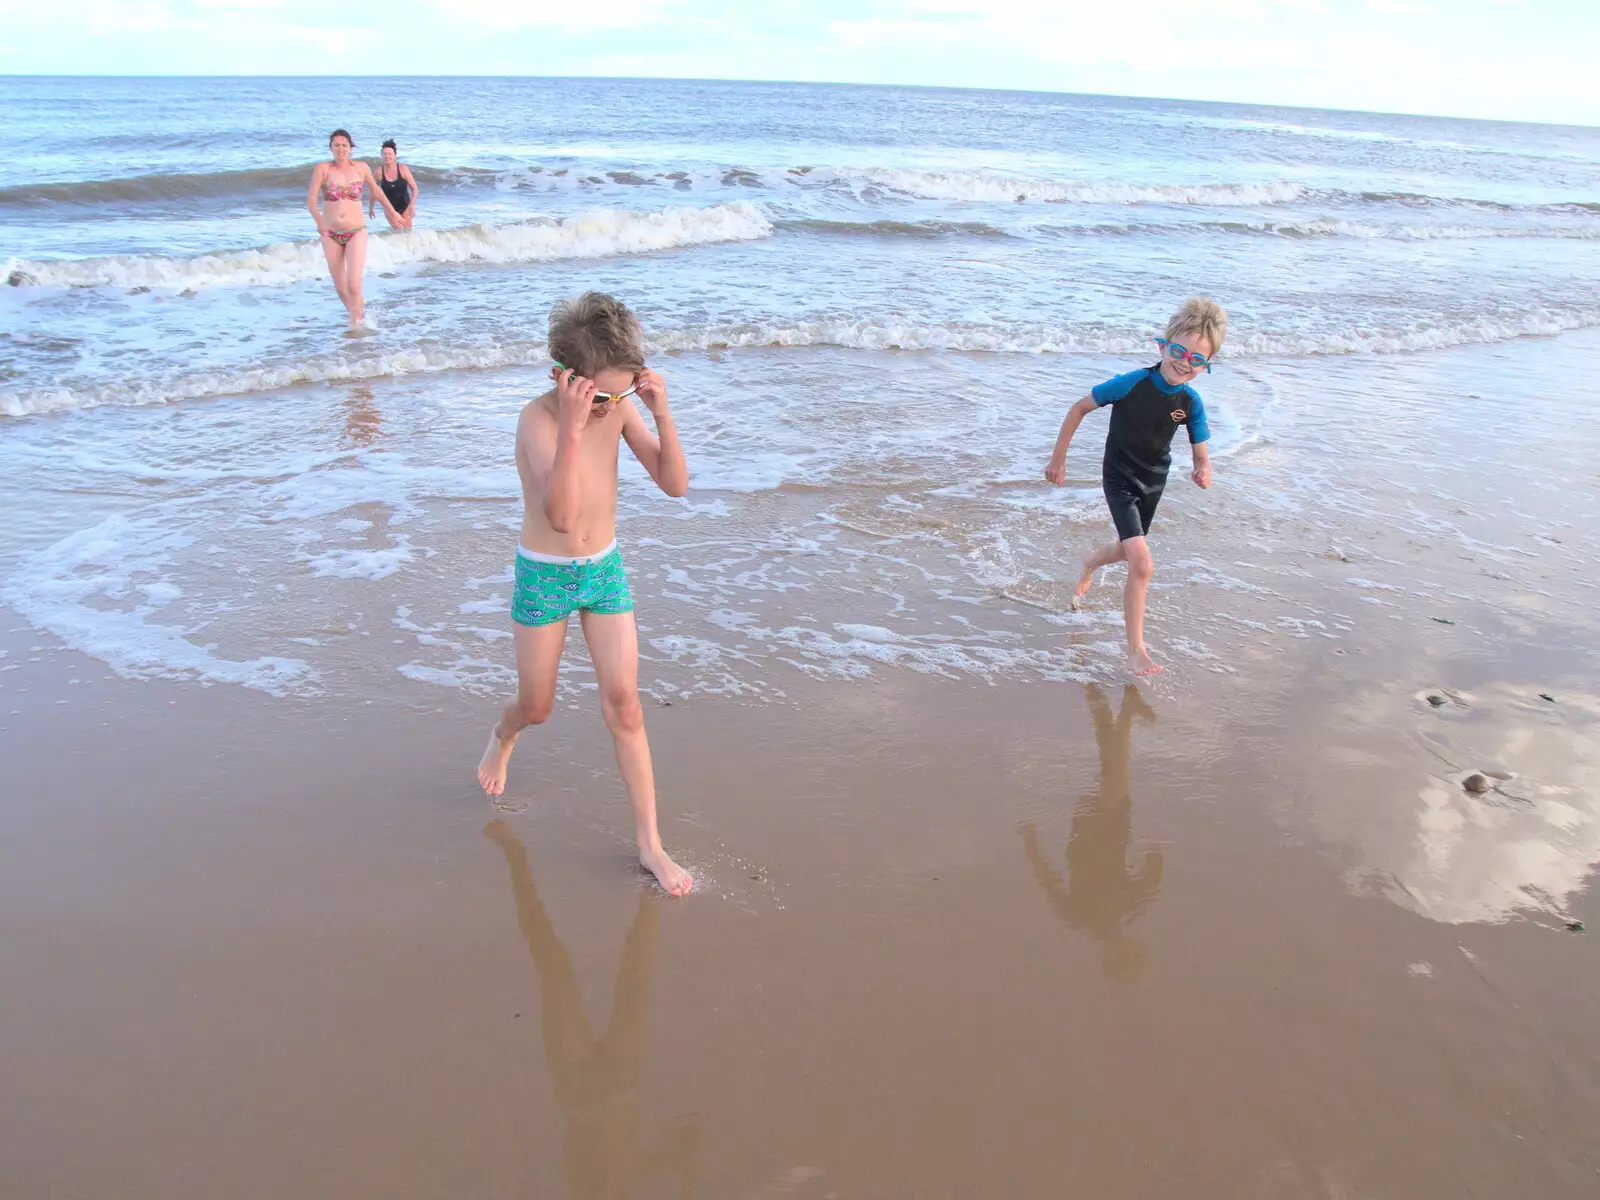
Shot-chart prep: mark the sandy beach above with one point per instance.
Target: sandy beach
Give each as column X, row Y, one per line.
column 974, row 916
column 950, row 939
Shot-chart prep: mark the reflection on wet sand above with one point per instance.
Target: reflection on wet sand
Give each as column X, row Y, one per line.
column 363, row 422
column 1423, row 838
column 596, row 1080
column 1101, row 895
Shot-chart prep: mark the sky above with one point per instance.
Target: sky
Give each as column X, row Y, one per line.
column 1524, row 60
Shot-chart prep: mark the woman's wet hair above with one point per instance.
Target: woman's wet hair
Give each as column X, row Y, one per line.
column 388, row 144
column 345, row 134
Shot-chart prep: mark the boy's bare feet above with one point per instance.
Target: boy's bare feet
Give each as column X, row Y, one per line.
column 492, row 767
column 1141, row 664
column 1086, row 580
column 674, row 880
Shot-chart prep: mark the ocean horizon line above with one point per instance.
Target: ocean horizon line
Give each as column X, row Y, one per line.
column 829, row 83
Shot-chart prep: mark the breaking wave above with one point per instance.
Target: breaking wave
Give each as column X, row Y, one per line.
column 589, row 235
column 842, row 332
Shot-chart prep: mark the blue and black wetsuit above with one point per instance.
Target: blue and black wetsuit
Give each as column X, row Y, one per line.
column 1147, row 411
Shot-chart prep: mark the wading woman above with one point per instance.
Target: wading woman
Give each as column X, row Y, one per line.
column 399, row 184
column 339, row 185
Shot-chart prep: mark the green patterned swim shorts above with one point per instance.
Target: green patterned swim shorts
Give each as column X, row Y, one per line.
column 550, row 589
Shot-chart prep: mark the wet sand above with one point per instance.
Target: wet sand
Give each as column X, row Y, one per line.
column 949, row 939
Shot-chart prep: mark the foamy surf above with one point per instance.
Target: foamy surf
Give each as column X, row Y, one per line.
column 588, row 235
column 836, row 332
column 1047, row 339
column 983, row 187
column 100, row 591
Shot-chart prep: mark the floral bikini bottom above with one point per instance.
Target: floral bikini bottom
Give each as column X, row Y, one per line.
column 342, row 236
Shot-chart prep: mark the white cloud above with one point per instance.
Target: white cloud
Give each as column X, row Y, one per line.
column 555, row 14
column 253, row 5
column 1492, row 58
column 1401, row 8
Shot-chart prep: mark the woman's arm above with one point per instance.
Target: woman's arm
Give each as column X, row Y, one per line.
column 411, row 213
column 376, row 193
column 317, row 172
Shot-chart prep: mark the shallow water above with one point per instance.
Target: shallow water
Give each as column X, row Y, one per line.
column 872, row 307
column 157, row 231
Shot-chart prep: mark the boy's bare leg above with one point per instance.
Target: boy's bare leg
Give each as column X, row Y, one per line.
column 614, row 647
column 568, row 1040
column 538, row 659
column 1092, row 562
column 1140, row 568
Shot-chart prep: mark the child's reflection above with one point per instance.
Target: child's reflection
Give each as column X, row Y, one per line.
column 596, row 1080
column 1102, row 895
column 363, row 422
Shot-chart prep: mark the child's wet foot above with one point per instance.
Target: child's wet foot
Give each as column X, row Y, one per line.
column 1085, row 581
column 674, row 880
column 492, row 766
column 1142, row 666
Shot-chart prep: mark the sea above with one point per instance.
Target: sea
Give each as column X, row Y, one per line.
column 872, row 307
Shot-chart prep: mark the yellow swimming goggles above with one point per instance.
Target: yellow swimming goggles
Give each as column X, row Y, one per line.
column 604, row 397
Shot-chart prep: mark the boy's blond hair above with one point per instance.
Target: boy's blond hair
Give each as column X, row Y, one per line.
column 1199, row 318
column 596, row 332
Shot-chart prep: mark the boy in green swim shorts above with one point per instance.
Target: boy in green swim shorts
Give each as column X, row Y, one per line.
column 568, row 562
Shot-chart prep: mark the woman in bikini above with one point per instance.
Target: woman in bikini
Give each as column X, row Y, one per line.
column 339, row 184
column 399, row 184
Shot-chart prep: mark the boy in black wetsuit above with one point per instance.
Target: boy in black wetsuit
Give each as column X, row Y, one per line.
column 1149, row 405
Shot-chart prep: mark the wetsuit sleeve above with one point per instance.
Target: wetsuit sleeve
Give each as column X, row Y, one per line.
column 1113, row 390
column 1199, row 428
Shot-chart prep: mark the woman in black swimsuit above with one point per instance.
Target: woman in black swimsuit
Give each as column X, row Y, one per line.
column 399, row 185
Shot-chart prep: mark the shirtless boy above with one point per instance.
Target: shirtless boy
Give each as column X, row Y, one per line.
column 567, row 445
column 1149, row 405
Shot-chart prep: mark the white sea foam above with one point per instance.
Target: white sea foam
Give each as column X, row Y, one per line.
column 1319, row 227
column 322, row 369
column 370, row 565
column 98, row 590
column 902, row 335
column 1330, row 227
column 589, row 235
column 984, row 187
column 848, row 333
column 1047, row 339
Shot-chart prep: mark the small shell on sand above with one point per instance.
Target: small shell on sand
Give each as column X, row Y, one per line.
column 1476, row 783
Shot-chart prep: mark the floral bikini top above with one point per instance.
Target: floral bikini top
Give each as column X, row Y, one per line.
column 332, row 189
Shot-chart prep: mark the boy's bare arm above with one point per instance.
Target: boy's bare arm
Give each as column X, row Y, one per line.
column 563, row 496
column 1056, row 469
column 660, row 453
column 1202, row 464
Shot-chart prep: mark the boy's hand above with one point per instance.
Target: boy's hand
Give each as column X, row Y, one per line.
column 574, row 396
column 1055, row 472
column 1202, row 474
column 653, row 391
